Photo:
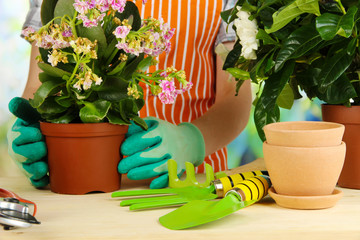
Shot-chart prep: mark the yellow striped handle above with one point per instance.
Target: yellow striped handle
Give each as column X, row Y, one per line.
column 254, row 188
column 224, row 184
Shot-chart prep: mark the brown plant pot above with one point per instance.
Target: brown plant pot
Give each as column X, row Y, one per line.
column 83, row 157
column 304, row 171
column 350, row 117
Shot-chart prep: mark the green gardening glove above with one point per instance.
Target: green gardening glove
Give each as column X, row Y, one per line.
column 148, row 151
column 26, row 144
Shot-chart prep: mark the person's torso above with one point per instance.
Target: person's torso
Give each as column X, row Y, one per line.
column 197, row 23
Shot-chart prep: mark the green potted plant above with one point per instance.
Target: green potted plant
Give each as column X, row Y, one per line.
column 293, row 48
column 96, row 57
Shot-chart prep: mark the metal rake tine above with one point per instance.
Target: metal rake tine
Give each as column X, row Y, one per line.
column 210, row 176
column 132, row 193
column 129, row 202
column 174, row 181
column 172, row 170
column 190, row 180
column 141, row 206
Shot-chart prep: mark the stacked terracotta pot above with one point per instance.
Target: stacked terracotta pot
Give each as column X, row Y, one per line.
column 304, row 160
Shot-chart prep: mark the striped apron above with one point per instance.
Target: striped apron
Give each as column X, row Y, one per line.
column 197, row 23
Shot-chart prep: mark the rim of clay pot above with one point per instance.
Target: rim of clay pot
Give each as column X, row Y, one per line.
column 304, row 148
column 82, row 129
column 302, row 126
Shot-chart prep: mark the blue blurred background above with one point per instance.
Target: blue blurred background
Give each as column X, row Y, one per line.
column 14, row 57
column 14, row 64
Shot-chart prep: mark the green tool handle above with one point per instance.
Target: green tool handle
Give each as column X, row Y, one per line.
column 224, row 184
column 254, row 188
column 143, row 192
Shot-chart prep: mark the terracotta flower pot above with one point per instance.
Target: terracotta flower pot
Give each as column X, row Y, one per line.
column 304, row 171
column 350, row 117
column 82, row 157
column 304, row 133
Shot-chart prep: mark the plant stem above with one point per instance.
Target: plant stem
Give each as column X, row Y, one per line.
column 341, row 6
column 72, row 75
column 113, row 54
column 156, row 79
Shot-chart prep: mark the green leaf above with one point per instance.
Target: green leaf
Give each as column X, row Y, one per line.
column 328, row 24
column 44, row 54
column 115, row 118
column 266, row 109
column 63, row 8
column 238, row 73
column 286, row 98
column 347, row 22
column 339, row 92
column 334, row 67
column 53, row 71
column 295, row 89
column 113, row 89
column 68, row 117
column 331, row 6
column 282, row 17
column 64, row 101
column 46, row 89
column 131, row 12
column 47, row 11
column 110, row 48
column 145, row 64
column 298, row 44
column 128, row 107
column 44, row 77
column 94, row 33
column 225, row 15
column 50, row 106
column 259, row 68
column 266, row 38
column 309, row 6
column 140, row 122
column 118, row 69
column 233, row 56
column 131, row 67
column 350, row 50
column 266, row 4
column 94, row 112
column 246, row 6
column 140, row 102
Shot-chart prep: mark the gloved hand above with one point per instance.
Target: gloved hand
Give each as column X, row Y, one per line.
column 148, row 151
column 26, row 144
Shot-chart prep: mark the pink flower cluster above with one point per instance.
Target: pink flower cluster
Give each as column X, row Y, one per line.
column 169, row 92
column 91, row 12
column 54, row 37
column 122, row 31
column 153, row 38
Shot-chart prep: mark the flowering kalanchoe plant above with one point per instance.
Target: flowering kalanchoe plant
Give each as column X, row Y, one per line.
column 293, row 47
column 95, row 56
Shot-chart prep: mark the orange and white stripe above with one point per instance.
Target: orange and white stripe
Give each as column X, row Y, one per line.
column 197, row 23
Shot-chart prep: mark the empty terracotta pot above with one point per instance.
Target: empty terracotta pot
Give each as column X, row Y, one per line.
column 304, row 133
column 83, row 157
column 304, row 171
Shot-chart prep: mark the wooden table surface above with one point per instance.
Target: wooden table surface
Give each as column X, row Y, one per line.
column 97, row 216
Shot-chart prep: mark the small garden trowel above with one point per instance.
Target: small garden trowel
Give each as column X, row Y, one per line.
column 199, row 212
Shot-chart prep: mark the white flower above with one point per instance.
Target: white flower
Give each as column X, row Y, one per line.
column 246, row 30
